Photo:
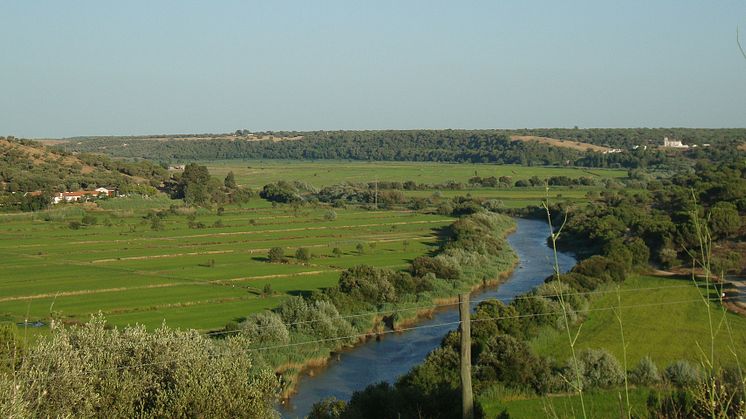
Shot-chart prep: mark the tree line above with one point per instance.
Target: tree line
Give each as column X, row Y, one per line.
column 476, row 146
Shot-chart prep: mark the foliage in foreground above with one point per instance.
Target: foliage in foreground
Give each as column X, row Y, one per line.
column 97, row 371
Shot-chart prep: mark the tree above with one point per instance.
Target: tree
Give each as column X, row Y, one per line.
column 337, row 252
column 276, row 254
column 193, row 185
column 330, row 215
column 360, row 248
column 303, row 254
column 724, row 220
column 230, row 181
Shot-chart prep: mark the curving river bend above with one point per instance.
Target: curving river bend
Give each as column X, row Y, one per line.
column 397, row 353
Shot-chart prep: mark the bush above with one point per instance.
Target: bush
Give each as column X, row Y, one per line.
column 330, row 215
column 512, row 362
column 681, row 374
column 328, row 408
column 276, row 254
column 303, row 254
column 423, row 265
column 369, row 284
column 645, row 373
column 94, row 370
column 265, row 328
column 598, row 369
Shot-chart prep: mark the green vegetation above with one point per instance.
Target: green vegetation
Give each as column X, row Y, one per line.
column 256, row 173
column 185, row 271
column 30, row 173
column 477, row 146
column 94, row 371
column 648, row 326
column 599, row 404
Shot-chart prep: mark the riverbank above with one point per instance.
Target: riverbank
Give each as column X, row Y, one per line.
column 398, row 319
column 387, row 359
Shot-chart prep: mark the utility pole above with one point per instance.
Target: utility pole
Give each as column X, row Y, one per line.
column 376, row 195
column 467, row 398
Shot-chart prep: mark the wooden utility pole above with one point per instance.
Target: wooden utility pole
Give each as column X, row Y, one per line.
column 376, row 196
column 467, row 399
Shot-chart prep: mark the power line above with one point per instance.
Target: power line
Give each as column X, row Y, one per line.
column 436, row 306
column 477, row 301
column 401, row 330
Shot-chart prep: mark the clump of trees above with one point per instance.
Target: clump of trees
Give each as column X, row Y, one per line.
column 198, row 188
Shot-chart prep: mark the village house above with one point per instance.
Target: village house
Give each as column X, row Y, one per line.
column 78, row 196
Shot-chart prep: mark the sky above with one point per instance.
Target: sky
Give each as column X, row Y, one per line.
column 157, row 67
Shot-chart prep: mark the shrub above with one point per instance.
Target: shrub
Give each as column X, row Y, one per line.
column 303, row 254
column 74, row 225
column 368, row 284
column 276, row 254
column 681, row 374
column 337, row 252
column 512, row 362
column 94, row 370
column 598, row 369
column 645, row 373
column 423, row 265
column 328, row 408
column 330, row 215
column 265, row 328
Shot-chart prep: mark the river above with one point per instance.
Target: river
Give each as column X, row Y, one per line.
column 395, row 354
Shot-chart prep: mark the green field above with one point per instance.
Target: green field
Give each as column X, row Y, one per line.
column 598, row 404
column 668, row 323
column 257, row 173
column 200, row 278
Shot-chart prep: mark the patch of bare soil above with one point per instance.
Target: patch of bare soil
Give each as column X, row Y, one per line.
column 575, row 145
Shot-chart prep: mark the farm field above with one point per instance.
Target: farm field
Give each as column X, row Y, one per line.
column 190, row 277
column 667, row 323
column 254, row 173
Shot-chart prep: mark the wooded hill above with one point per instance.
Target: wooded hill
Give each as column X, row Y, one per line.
column 478, row 146
column 27, row 166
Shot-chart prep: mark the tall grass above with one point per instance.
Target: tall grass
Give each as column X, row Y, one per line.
column 554, row 236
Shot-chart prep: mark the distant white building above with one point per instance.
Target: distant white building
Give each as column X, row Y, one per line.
column 673, row 143
column 612, row 151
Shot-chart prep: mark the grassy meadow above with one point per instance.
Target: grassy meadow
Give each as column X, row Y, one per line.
column 599, row 404
column 189, row 277
column 667, row 322
column 257, row 173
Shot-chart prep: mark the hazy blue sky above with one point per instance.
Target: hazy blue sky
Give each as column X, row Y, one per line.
column 134, row 67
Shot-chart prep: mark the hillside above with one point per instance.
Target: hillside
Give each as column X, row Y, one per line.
column 29, row 166
column 574, row 145
column 529, row 147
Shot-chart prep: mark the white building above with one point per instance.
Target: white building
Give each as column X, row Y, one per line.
column 673, row 143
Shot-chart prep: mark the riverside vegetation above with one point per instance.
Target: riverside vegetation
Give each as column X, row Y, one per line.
column 521, row 351
column 309, row 321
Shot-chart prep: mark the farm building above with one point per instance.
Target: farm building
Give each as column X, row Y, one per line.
column 82, row 195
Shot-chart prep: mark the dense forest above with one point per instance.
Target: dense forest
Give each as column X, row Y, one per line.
column 478, row 146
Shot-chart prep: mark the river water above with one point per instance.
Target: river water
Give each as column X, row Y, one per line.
column 394, row 355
